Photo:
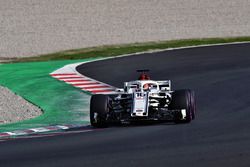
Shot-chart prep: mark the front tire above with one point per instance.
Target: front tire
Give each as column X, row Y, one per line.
column 183, row 99
column 99, row 110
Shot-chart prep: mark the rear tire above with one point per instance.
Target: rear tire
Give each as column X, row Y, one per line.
column 183, row 99
column 192, row 104
column 99, row 110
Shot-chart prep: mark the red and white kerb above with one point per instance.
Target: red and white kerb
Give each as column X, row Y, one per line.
column 84, row 83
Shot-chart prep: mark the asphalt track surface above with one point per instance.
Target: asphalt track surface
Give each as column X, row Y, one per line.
column 220, row 76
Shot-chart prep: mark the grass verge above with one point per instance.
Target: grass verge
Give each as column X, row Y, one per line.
column 60, row 102
column 115, row 50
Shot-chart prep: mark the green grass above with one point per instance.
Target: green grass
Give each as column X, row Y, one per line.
column 115, row 50
column 61, row 103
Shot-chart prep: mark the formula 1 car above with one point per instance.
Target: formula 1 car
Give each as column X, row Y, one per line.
column 143, row 100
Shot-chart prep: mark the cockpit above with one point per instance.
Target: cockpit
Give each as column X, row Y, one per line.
column 149, row 86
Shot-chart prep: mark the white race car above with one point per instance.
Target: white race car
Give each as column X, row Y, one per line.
column 143, row 100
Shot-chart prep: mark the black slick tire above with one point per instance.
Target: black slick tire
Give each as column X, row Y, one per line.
column 183, row 99
column 98, row 110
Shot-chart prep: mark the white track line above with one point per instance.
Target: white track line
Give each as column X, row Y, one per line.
column 70, row 70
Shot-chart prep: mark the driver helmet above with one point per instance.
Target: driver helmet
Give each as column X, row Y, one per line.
column 144, row 76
